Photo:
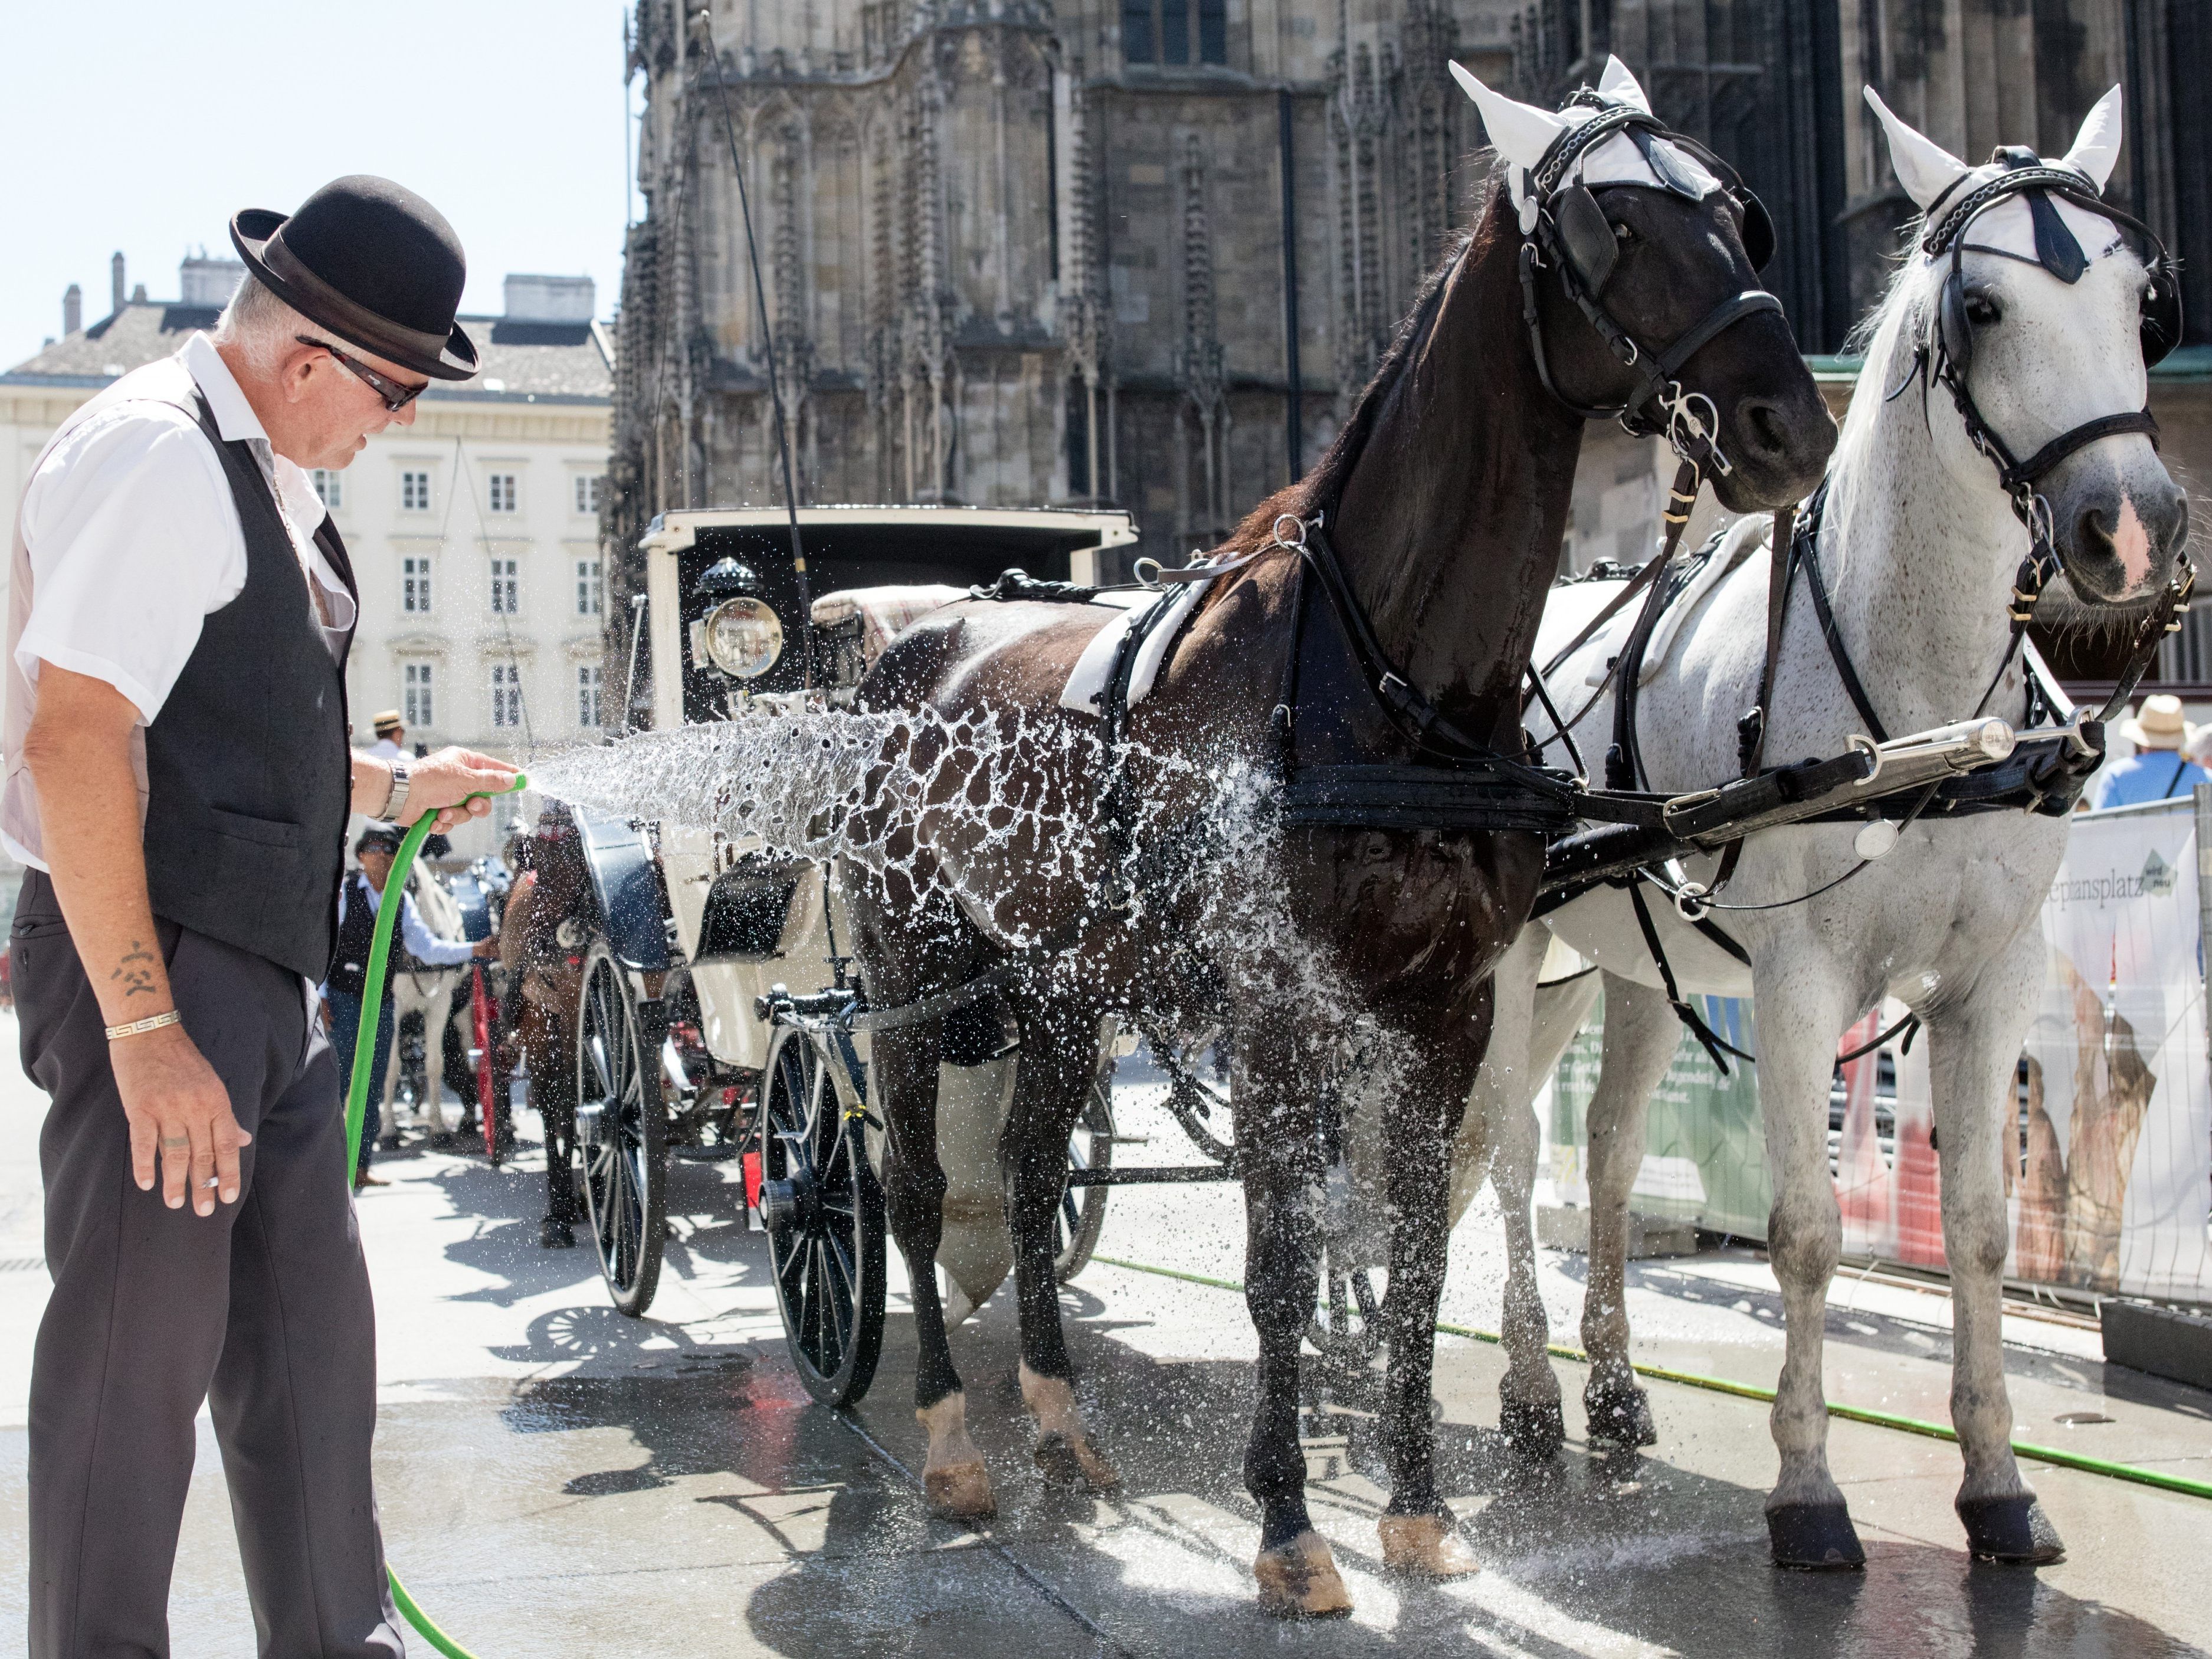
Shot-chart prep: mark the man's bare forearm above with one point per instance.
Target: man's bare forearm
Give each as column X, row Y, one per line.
column 372, row 784
column 79, row 752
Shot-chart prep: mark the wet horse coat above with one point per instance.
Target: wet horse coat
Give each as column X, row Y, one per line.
column 1446, row 496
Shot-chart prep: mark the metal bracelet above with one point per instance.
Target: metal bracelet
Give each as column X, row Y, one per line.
column 139, row 1027
column 394, row 802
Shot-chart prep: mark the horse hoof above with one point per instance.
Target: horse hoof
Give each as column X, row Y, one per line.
column 388, row 1143
column 1534, row 1431
column 1065, row 1450
column 1425, row 1546
column 1073, row 1460
column 1619, row 1416
column 960, row 1491
column 1299, row 1580
column 1814, row 1538
column 555, row 1234
column 2013, row 1530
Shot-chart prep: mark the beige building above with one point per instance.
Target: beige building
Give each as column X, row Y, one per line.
column 474, row 532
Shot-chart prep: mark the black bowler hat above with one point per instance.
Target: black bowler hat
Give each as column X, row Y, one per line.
column 374, row 264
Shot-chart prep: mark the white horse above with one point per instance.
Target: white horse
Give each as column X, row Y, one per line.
column 1918, row 547
column 429, row 992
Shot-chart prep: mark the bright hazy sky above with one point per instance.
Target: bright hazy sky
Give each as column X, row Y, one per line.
column 145, row 124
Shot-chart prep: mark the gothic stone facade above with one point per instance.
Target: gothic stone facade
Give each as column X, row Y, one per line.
column 1023, row 252
column 1017, row 252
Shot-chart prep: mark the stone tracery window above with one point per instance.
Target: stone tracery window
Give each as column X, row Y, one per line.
column 1175, row 31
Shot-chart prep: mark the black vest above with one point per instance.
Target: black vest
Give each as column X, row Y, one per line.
column 349, row 960
column 248, row 772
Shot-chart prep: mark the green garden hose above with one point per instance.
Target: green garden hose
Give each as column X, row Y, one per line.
column 364, row 1060
column 2065, row 1460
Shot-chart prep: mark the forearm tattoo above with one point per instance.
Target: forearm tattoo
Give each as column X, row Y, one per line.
column 136, row 976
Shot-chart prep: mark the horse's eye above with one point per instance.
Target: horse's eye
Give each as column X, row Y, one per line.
column 1982, row 311
column 1623, row 235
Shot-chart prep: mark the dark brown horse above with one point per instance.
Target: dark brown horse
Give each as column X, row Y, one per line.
column 544, row 979
column 1446, row 496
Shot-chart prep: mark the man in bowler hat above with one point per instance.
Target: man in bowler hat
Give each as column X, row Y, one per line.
column 177, row 781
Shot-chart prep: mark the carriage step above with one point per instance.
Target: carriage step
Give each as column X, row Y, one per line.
column 1150, row 1177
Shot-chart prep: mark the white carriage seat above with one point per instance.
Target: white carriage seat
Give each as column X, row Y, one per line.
column 884, row 612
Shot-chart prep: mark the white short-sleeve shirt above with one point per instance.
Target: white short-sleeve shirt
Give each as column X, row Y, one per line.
column 129, row 536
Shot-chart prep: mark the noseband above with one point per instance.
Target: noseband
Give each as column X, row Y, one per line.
column 1944, row 352
column 1561, row 227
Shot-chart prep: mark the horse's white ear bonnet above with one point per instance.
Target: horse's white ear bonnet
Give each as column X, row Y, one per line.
column 1931, row 175
column 1522, row 134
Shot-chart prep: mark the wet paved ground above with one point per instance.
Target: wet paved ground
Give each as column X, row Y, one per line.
column 556, row 1480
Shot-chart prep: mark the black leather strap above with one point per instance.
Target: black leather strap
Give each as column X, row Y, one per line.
column 1808, row 560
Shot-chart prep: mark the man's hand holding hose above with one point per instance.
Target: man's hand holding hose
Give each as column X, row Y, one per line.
column 79, row 750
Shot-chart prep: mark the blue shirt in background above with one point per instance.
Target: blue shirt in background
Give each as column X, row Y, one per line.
column 2150, row 774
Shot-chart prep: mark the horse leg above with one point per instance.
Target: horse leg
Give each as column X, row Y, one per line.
column 1279, row 1150
column 953, row 1477
column 1420, row 1119
column 437, row 1017
column 1497, row 1140
column 1641, row 1036
column 553, row 1091
column 1803, row 1012
column 1058, row 1061
column 1976, row 1047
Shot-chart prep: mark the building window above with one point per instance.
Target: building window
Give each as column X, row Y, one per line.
column 330, row 487
column 415, row 583
column 505, row 695
column 506, row 587
column 413, row 492
column 591, row 680
column 587, row 494
column 502, row 491
column 591, row 588
column 415, row 706
column 1175, row 31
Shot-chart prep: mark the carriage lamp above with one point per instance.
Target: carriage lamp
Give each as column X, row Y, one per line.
column 744, row 637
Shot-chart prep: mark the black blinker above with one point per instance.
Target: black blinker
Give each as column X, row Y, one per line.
column 1757, row 230
column 1587, row 236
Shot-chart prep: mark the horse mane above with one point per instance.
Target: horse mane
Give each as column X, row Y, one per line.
column 1320, row 489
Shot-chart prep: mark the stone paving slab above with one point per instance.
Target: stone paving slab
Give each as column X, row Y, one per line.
column 557, row 1480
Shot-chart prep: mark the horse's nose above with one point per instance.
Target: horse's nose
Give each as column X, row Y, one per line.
column 2142, row 532
column 1781, row 442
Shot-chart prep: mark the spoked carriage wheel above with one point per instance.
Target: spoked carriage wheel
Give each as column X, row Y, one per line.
column 492, row 1106
column 623, row 1134
column 1082, row 1213
column 824, row 1212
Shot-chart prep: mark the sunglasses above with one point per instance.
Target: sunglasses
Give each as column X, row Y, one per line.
column 396, row 396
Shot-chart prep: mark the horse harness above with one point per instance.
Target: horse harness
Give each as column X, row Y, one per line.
column 2044, row 776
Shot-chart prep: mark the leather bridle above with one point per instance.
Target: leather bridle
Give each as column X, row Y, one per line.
column 1661, row 407
column 1943, row 352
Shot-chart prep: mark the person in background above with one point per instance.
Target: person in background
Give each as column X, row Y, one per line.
column 391, row 737
column 359, row 896
column 2158, row 770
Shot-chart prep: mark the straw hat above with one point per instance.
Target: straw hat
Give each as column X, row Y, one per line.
column 2159, row 726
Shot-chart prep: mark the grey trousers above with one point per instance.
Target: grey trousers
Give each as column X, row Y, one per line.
column 262, row 1310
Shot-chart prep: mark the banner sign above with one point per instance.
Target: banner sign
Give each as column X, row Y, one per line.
column 2108, row 1131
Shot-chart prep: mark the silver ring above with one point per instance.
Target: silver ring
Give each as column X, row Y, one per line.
column 214, row 1180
